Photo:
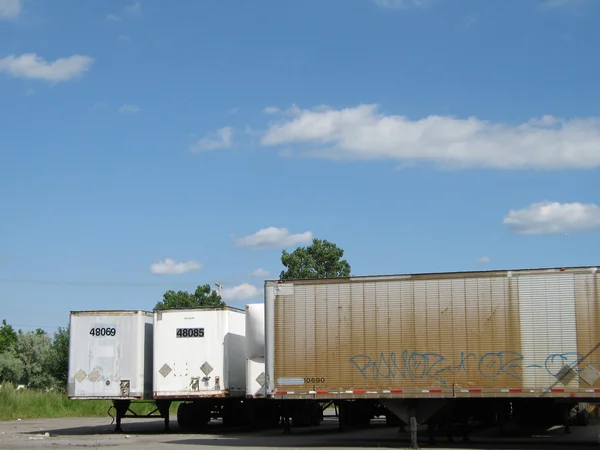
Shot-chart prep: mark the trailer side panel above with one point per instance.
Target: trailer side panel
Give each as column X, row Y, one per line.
column 527, row 333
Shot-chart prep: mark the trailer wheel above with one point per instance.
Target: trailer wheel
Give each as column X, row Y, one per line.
column 185, row 417
column 316, row 415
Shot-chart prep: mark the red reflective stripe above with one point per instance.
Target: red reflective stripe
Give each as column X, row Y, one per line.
column 281, row 393
column 515, row 390
column 435, row 390
column 359, row 391
column 474, row 390
column 596, row 391
column 557, row 390
column 396, row 391
column 322, row 392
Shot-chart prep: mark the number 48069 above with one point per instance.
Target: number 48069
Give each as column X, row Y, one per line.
column 103, row 331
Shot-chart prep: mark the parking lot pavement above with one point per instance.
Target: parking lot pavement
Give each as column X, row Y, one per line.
column 148, row 435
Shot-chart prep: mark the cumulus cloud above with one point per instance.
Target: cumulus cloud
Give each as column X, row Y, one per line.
column 31, row 66
column 274, row 237
column 400, row 4
column 171, row 267
column 10, row 9
column 260, row 273
column 132, row 109
column 362, row 133
column 135, row 9
column 271, row 110
column 553, row 217
column 220, row 140
column 484, row 260
column 241, row 292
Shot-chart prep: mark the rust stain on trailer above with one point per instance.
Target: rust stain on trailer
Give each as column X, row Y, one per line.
column 189, row 396
column 416, row 333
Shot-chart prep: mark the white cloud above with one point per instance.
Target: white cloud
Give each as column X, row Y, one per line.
column 29, row 65
column 271, row 110
column 171, row 267
column 135, row 9
column 10, row 9
column 241, row 292
column 553, row 217
column 133, row 109
column 484, row 260
column 274, row 237
column 221, row 139
column 362, row 133
column 552, row 4
column 260, row 273
column 400, row 4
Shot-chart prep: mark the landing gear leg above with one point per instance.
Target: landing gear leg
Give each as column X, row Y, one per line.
column 121, row 407
column 287, row 429
column 413, row 428
column 163, row 408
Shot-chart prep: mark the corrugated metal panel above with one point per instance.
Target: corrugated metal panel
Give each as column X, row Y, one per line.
column 548, row 328
column 446, row 336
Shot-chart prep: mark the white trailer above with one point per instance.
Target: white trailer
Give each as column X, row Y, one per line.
column 110, row 355
column 199, row 357
column 259, row 410
column 110, row 358
column 436, row 348
column 255, row 350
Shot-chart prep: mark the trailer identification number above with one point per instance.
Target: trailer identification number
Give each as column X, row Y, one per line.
column 189, row 332
column 98, row 332
column 314, row 380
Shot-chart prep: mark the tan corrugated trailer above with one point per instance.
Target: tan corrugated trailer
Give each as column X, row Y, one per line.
column 413, row 342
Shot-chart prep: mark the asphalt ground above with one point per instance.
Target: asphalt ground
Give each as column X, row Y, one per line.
column 148, row 434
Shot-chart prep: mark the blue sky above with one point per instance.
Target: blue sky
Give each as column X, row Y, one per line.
column 156, row 145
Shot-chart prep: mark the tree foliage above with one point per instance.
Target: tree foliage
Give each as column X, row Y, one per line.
column 34, row 358
column 33, row 348
column 322, row 259
column 8, row 336
column 11, row 367
column 203, row 296
column 58, row 358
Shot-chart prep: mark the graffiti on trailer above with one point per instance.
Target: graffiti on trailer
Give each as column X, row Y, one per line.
column 434, row 366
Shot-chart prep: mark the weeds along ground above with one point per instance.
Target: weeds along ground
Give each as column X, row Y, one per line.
column 32, row 404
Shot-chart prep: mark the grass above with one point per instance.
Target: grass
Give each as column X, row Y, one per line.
column 31, row 404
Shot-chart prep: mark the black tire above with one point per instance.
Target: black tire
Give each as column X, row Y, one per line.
column 185, row 417
column 316, row 415
column 583, row 418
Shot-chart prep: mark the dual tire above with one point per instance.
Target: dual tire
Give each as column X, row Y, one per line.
column 191, row 415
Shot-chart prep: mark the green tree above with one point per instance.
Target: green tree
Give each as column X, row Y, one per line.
column 11, row 367
column 8, row 336
column 57, row 362
column 322, row 259
column 204, row 296
column 33, row 349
